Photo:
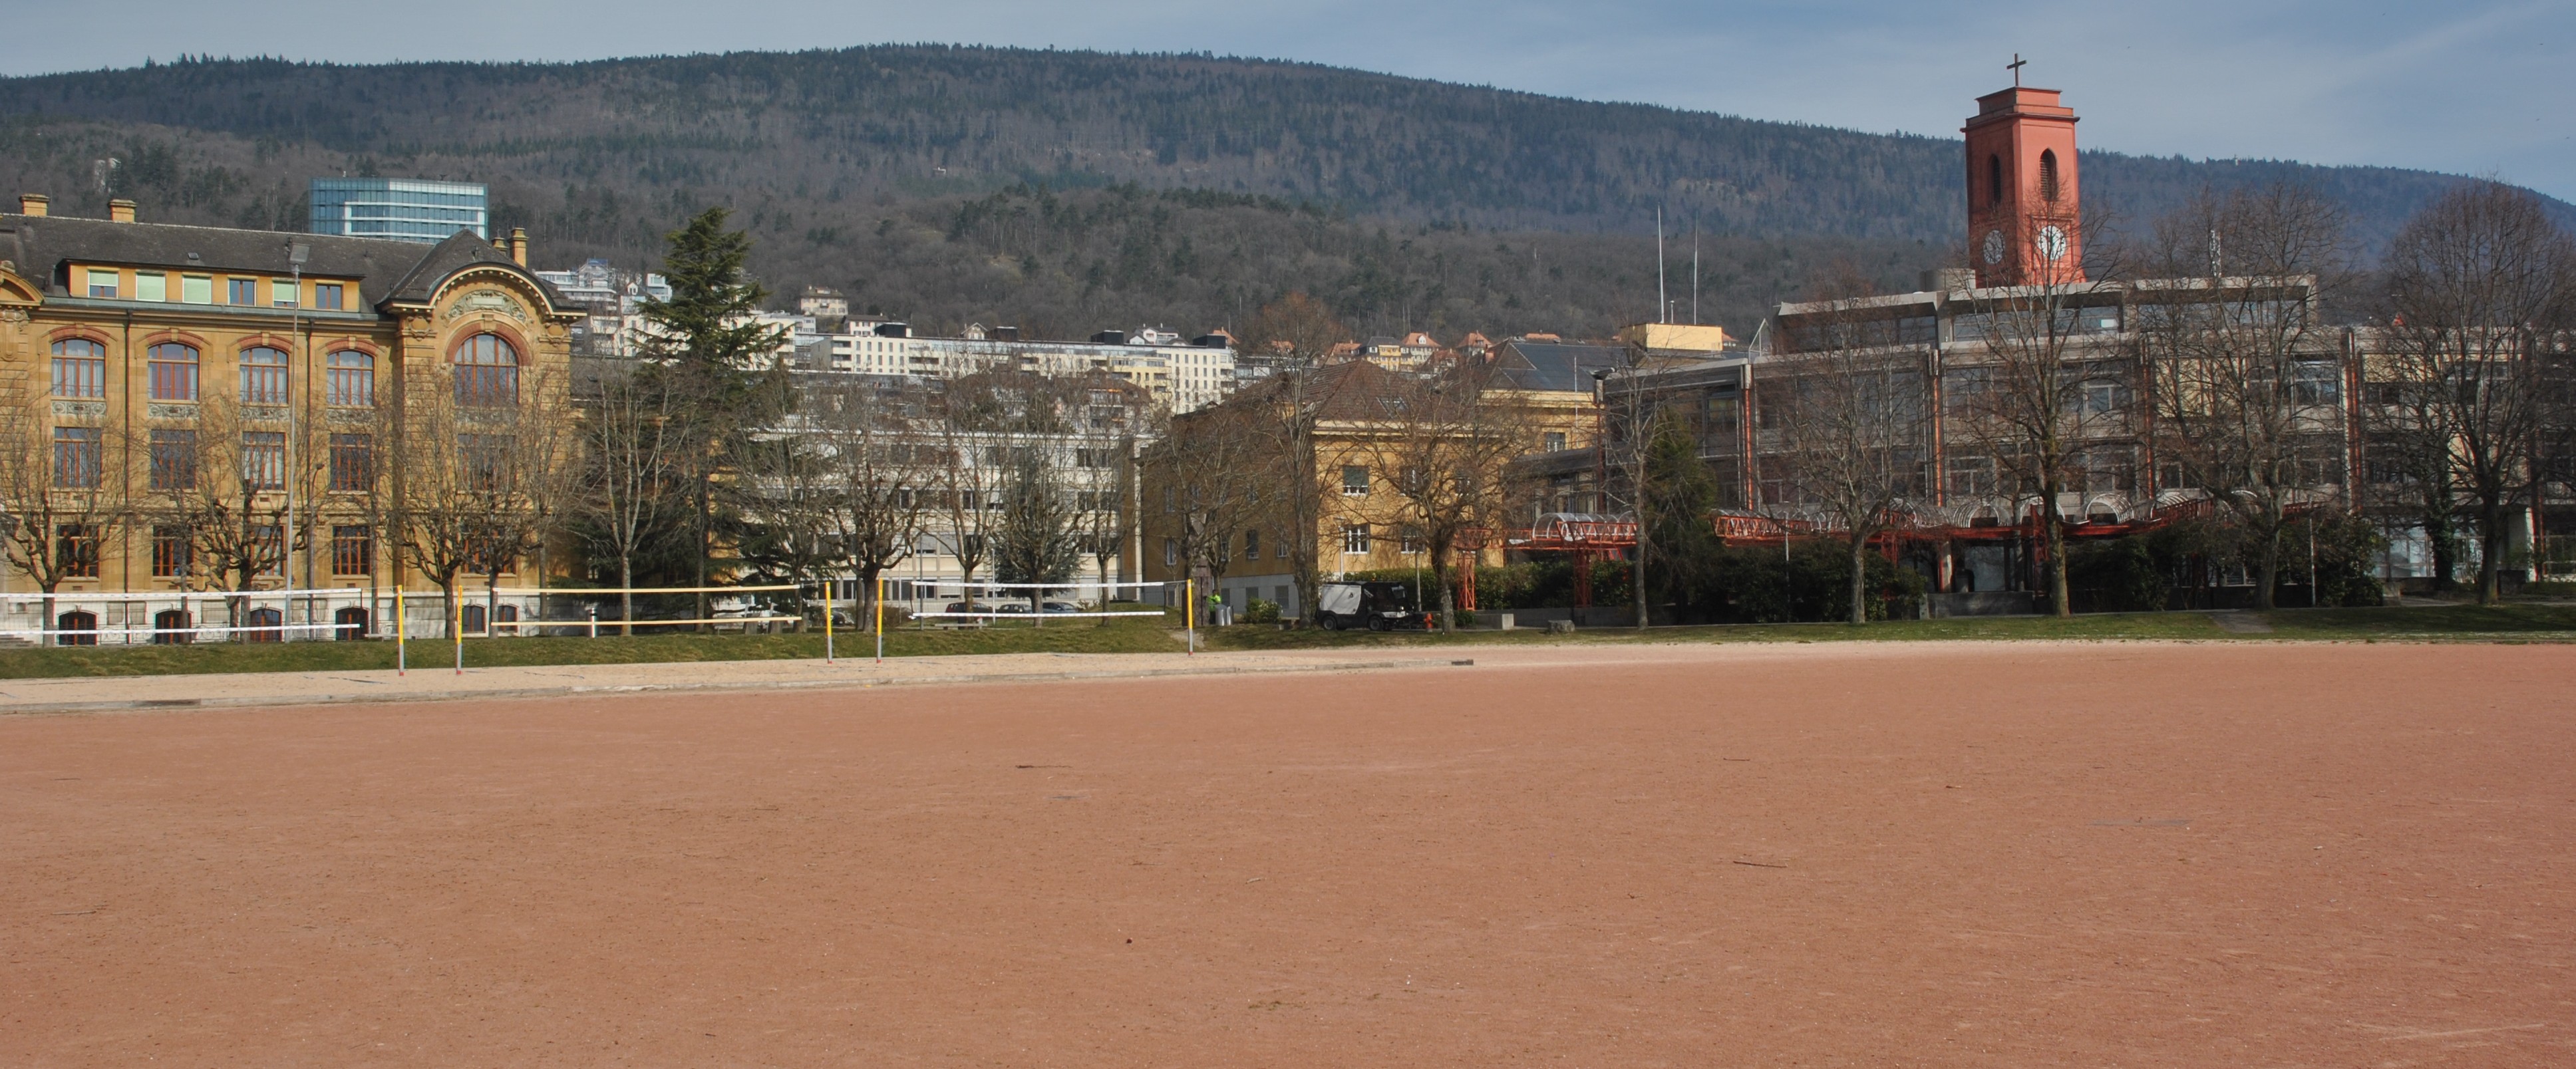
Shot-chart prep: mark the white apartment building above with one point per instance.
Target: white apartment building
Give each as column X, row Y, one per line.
column 615, row 300
column 1185, row 376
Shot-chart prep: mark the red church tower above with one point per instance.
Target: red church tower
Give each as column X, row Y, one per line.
column 2023, row 217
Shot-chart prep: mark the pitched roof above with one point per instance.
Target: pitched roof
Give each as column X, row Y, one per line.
column 44, row 246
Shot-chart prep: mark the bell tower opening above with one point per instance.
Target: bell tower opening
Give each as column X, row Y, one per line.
column 2025, row 210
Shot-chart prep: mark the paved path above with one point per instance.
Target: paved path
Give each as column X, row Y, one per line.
column 109, row 693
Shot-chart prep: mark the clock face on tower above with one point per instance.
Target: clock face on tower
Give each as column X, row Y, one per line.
column 2052, row 244
column 1994, row 246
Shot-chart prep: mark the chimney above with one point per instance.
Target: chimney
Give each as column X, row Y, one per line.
column 519, row 245
column 120, row 210
column 33, row 203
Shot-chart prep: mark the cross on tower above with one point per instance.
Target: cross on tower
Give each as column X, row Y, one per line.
column 2015, row 66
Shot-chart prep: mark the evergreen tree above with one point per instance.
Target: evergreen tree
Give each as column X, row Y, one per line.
column 707, row 347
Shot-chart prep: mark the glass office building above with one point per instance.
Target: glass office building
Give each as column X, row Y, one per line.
column 403, row 209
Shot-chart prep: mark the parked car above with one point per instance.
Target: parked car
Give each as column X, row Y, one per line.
column 1062, row 606
column 1376, row 606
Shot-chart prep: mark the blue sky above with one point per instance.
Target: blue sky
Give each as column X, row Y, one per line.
column 2469, row 87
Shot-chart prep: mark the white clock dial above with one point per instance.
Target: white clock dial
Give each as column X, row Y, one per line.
column 1994, row 246
column 2052, row 244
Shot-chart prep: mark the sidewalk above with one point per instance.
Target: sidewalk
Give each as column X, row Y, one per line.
column 113, row 693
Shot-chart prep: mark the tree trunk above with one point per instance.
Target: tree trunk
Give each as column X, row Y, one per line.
column 2057, row 596
column 1637, row 575
column 2268, row 564
column 626, row 595
column 1448, row 598
column 863, row 608
column 1859, row 578
column 699, row 568
column 48, row 623
column 2491, row 543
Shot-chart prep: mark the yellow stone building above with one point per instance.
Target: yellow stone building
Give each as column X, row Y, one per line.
column 1542, row 395
column 185, row 407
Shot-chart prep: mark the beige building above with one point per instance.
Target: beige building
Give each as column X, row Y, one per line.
column 184, row 404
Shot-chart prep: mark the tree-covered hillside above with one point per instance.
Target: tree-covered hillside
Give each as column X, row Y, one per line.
column 871, row 169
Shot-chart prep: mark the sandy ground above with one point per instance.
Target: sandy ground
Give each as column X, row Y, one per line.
column 438, row 682
column 1863, row 855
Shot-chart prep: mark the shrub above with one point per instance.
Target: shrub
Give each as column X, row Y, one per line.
column 2115, row 575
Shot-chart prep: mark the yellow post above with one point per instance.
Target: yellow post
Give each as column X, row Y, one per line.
column 1190, row 611
column 827, row 619
column 456, row 627
column 402, row 638
column 881, row 619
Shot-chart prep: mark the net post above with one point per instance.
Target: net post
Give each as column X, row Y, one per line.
column 1190, row 611
column 402, row 637
column 456, row 627
column 827, row 619
column 880, row 607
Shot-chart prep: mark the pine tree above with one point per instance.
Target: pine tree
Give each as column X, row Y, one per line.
column 706, row 343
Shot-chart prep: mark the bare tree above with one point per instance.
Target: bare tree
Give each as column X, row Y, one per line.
column 62, row 499
column 1293, row 338
column 233, row 484
column 883, row 469
column 979, row 423
column 1115, row 416
column 1854, row 429
column 1449, row 440
column 1033, row 538
column 2245, row 382
column 634, row 441
column 2481, row 293
column 470, row 469
column 2035, row 397
column 790, row 504
column 1214, row 467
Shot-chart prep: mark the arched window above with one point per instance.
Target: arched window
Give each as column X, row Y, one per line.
column 352, row 377
column 174, row 371
column 487, row 373
column 263, row 376
column 80, row 368
column 1994, row 180
column 2048, row 175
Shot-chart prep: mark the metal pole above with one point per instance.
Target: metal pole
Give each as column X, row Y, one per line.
column 827, row 620
column 402, row 635
column 881, row 584
column 1190, row 611
column 456, row 628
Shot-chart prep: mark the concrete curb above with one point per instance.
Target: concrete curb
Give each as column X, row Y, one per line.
column 584, row 690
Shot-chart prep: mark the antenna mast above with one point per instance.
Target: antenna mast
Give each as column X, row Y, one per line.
column 1663, row 303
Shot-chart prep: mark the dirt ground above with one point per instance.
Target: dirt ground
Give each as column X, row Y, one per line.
column 1864, row 855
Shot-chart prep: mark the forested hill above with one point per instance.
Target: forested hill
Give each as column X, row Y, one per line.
column 830, row 151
